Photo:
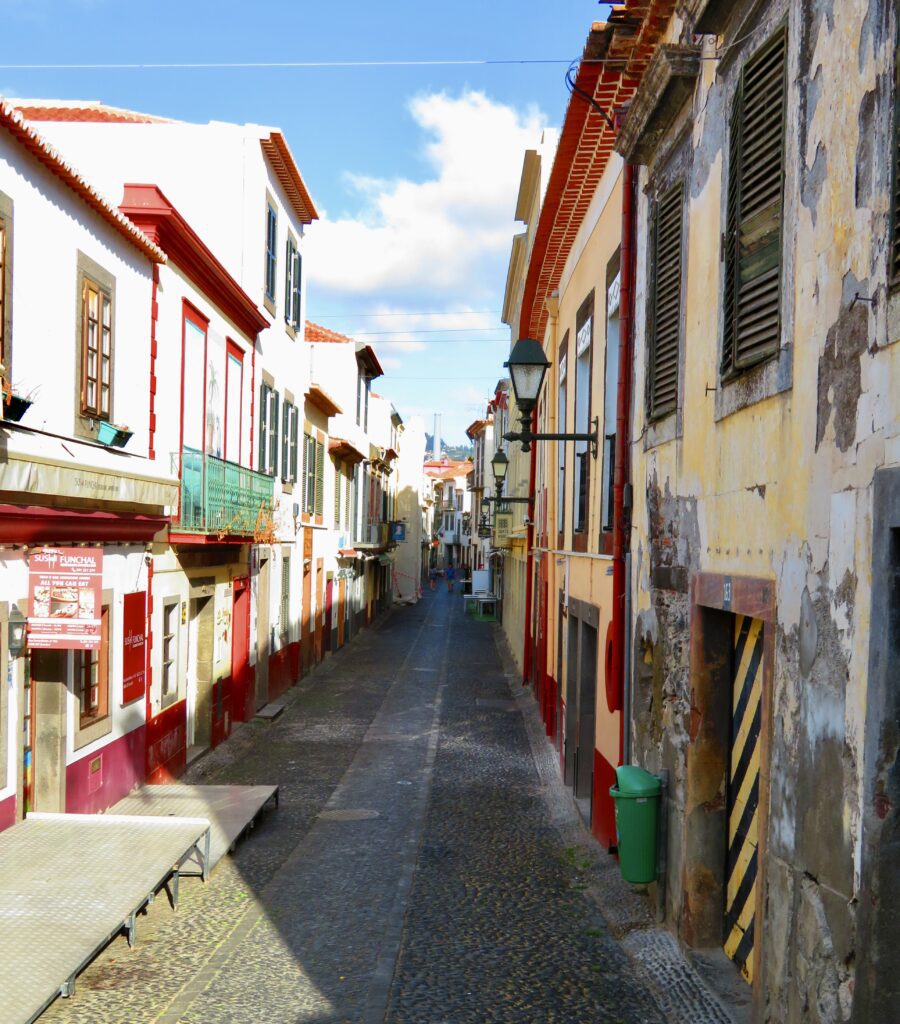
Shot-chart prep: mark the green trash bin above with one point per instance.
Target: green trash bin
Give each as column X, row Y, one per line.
column 636, row 798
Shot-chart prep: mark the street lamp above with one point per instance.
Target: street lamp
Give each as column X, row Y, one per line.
column 16, row 637
column 500, row 467
column 528, row 366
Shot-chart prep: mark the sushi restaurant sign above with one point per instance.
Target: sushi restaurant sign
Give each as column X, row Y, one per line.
column 64, row 598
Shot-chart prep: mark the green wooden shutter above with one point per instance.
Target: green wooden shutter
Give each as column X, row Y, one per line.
column 320, row 478
column 295, row 419
column 337, row 495
column 753, row 239
column 273, row 436
column 285, row 438
column 298, row 270
column 263, row 426
column 288, row 270
column 667, row 245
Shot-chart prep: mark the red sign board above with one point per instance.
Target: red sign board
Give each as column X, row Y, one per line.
column 134, row 646
column 65, row 593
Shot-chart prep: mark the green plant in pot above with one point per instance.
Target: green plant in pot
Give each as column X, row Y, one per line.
column 14, row 405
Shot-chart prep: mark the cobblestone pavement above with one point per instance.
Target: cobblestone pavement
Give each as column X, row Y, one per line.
column 412, row 873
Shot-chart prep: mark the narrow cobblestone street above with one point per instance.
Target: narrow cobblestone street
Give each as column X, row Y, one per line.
column 412, row 873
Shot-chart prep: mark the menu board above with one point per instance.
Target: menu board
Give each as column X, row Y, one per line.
column 65, row 593
column 134, row 646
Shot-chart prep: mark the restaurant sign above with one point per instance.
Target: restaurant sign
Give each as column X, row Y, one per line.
column 134, row 645
column 502, row 527
column 64, row 598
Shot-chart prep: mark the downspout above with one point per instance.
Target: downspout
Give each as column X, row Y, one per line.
column 621, row 508
column 528, row 657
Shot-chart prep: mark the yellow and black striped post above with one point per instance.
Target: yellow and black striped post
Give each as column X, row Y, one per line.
column 743, row 793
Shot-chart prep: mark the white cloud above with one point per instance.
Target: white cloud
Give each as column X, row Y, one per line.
column 438, row 234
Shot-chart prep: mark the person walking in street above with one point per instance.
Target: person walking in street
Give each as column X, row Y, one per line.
column 451, row 576
column 432, row 577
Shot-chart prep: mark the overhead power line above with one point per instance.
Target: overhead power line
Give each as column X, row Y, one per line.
column 436, row 330
column 423, row 313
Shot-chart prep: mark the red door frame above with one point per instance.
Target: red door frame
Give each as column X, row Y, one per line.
column 243, row 694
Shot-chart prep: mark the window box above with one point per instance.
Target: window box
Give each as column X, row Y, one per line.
column 110, row 434
column 15, row 406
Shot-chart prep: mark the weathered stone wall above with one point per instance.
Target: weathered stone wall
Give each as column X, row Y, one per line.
column 773, row 477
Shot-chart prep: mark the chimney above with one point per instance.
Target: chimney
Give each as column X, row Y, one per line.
column 437, row 437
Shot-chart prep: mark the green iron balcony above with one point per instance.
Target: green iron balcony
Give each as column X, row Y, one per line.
column 221, row 497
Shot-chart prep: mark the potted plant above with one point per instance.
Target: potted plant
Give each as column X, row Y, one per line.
column 113, row 435
column 14, row 405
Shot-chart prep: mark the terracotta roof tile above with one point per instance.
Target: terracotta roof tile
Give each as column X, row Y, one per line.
column 13, row 121
column 317, row 333
column 89, row 111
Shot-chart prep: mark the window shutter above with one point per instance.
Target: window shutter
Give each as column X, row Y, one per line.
column 320, row 478
column 288, row 291
column 273, row 435
column 298, row 268
column 294, row 428
column 285, row 437
column 667, row 244
column 755, row 210
column 263, row 426
column 337, row 495
column 309, row 458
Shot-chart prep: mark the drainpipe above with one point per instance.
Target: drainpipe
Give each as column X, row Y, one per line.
column 528, row 658
column 621, row 508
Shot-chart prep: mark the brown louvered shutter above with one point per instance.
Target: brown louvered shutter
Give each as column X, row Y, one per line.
column 667, row 242
column 755, row 210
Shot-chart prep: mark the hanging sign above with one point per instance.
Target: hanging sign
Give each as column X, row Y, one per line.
column 398, row 532
column 502, row 526
column 134, row 639
column 65, row 593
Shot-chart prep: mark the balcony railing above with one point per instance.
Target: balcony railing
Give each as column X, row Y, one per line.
column 375, row 534
column 221, row 497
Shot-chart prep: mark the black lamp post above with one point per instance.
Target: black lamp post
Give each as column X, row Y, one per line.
column 528, row 366
column 500, row 467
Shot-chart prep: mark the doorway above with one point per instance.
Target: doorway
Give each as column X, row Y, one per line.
column 587, row 706
column 44, row 766
column 200, row 675
column 743, row 793
column 240, row 650
column 263, row 642
column 571, row 740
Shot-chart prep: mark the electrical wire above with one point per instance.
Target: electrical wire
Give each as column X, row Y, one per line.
column 443, row 312
column 575, row 90
column 437, row 330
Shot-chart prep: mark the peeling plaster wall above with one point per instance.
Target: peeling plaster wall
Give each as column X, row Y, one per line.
column 779, row 485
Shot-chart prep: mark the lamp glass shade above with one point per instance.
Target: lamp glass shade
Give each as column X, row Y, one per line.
column 16, row 637
column 527, row 366
column 499, row 464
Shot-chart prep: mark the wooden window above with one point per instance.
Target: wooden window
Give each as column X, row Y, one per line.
column 753, row 229
column 286, row 595
column 92, row 677
column 584, row 342
column 170, row 652
column 96, row 350
column 292, row 284
column 665, row 308
column 289, row 428
column 268, row 430
column 271, row 247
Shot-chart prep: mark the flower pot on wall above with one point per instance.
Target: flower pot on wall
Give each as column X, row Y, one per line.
column 15, row 407
column 110, row 434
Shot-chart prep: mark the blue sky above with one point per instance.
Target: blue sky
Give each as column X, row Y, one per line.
column 415, row 169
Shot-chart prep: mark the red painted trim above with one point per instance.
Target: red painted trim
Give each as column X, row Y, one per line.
column 603, row 815
column 166, row 747
column 28, row 524
column 528, row 655
column 621, row 527
column 234, row 351
column 189, row 312
column 152, row 212
column 148, row 692
column 7, row 812
column 202, row 538
column 121, row 769
column 154, row 317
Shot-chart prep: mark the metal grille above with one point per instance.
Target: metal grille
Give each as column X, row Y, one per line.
column 663, row 376
column 219, row 496
column 755, row 209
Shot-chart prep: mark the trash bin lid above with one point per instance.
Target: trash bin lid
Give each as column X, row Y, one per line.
column 634, row 781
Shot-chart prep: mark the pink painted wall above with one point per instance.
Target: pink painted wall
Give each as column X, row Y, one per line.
column 121, row 769
column 7, row 812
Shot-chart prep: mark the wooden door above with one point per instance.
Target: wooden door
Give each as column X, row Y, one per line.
column 242, row 702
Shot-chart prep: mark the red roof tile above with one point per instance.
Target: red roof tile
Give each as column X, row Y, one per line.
column 318, row 334
column 96, row 112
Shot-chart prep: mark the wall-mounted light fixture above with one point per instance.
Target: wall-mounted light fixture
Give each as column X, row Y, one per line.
column 527, row 367
column 17, row 635
column 500, row 467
